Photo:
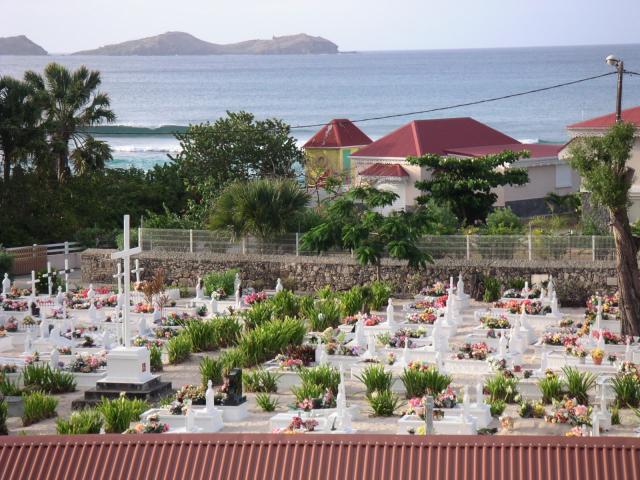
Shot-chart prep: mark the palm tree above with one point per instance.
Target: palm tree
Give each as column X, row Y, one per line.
column 20, row 116
column 72, row 104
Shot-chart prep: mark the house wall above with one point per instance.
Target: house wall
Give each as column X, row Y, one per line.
column 410, row 192
column 330, row 159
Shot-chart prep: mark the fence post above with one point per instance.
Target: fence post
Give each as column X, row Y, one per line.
column 191, row 240
column 529, row 242
column 297, row 244
column 140, row 237
column 468, row 248
column 593, row 248
column 244, row 246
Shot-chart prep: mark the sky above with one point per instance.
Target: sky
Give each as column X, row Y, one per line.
column 63, row 26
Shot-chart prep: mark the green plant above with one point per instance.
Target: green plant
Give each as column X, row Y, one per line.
column 9, row 388
column 119, row 412
column 285, row 304
column 502, row 386
column 517, row 283
column 352, row 301
column 491, row 289
column 531, row 409
column 155, row 358
column 79, row 423
column 551, row 387
column 261, row 380
column 232, row 358
column 376, row 378
column 220, row 281
column 419, row 382
column 497, row 407
column 266, row 402
column 384, row 403
column 579, row 384
column 258, row 314
column 269, row 339
column 627, row 390
column 226, row 331
column 179, row 348
column 38, row 406
column 211, row 369
column 43, row 377
column 6, row 261
column 325, row 376
column 201, row 333
column 615, row 415
column 4, row 409
column 380, row 293
column 307, row 390
column 323, row 314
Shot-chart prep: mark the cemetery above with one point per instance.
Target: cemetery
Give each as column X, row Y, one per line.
column 136, row 355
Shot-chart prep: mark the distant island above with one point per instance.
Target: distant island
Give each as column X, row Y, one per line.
column 180, row 43
column 20, row 45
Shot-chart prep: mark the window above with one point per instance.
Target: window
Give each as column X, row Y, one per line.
column 563, row 176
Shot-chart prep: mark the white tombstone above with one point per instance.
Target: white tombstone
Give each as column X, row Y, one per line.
column 28, row 344
column 371, row 347
column 49, row 276
column 600, row 343
column 554, row 305
column 54, row 359
column 391, row 317
column 118, row 277
column 479, row 394
column 595, row 425
column 210, row 398
column 544, row 361
column 91, row 294
column 6, row 285
column 543, row 294
column 525, row 290
column 279, row 286
column 44, row 328
column 107, row 340
column 213, row 305
column 59, row 297
column 360, row 339
column 190, row 420
column 137, row 270
column 157, row 315
column 502, row 346
column 404, row 362
column 34, row 281
column 199, row 289
column 628, row 355
column 143, row 329
column 93, row 314
column 551, row 288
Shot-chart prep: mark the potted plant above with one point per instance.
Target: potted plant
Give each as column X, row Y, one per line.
column 597, row 354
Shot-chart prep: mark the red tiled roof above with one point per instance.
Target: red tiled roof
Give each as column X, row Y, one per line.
column 434, row 136
column 605, row 121
column 384, row 170
column 339, row 132
column 536, row 150
column 302, row 457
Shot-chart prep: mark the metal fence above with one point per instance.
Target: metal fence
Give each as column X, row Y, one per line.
column 469, row 247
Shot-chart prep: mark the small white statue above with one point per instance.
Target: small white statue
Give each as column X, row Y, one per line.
column 213, row 305
column 190, row 419
column 142, row 326
column 199, row 289
column 157, row 315
column 59, row 297
column 54, row 359
column 502, row 346
column 237, row 282
column 44, row 328
column 371, row 346
column 28, row 344
column 91, row 292
column 360, row 339
column 391, row 317
column 238, row 298
column 460, row 286
column 93, row 314
column 6, row 285
column 628, row 355
column 210, row 398
column 279, row 286
column 107, row 340
column 479, row 394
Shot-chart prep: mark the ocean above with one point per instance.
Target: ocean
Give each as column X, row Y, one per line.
column 152, row 92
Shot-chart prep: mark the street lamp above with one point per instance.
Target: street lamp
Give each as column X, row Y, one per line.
column 619, row 65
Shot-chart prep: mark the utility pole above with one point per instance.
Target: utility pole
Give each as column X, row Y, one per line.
column 619, row 65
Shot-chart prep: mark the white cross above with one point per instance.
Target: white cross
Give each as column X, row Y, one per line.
column 49, row 276
column 33, row 284
column 126, row 254
column 137, row 270
column 119, row 276
column 66, row 272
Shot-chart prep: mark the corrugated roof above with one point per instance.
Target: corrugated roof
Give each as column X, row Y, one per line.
column 303, row 457
column 339, row 132
column 605, row 121
column 536, row 150
column 384, row 170
column 434, row 136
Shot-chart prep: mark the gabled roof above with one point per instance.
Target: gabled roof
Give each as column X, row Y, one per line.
column 536, row 150
column 605, row 121
column 384, row 170
column 434, row 136
column 339, row 132
column 340, row 457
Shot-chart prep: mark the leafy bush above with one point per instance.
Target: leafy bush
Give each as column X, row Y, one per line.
column 211, row 369
column 9, row 388
column 226, row 331
column 627, row 390
column 258, row 314
column 120, row 412
column 224, row 281
column 352, row 301
column 384, row 403
column 43, row 377
column 4, row 409
column 579, row 384
column 502, row 221
column 307, row 390
column 517, row 283
column 424, row 382
column 269, row 339
column 260, row 380
column 155, row 358
column 502, row 386
column 266, row 402
column 179, row 348
column 491, row 289
column 6, row 262
column 497, row 407
column 201, row 333
column 79, row 423
column 285, row 304
column 38, row 406
column 551, row 387
column 324, row 376
column 376, row 378
column 323, row 314
column 232, row 358
column 380, row 293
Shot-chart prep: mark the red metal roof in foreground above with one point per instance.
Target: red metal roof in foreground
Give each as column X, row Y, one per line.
column 384, row 170
column 266, row 456
column 536, row 150
column 339, row 132
column 631, row 115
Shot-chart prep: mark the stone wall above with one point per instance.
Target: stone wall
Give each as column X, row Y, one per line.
column 574, row 281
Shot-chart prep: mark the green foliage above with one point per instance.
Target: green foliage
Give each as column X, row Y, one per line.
column 384, row 403
column 517, row 283
column 260, row 380
column 215, row 281
column 441, row 219
column 9, row 388
column 226, row 331
column 615, row 415
column 497, row 407
column 6, row 261
column 418, row 383
column 570, row 203
column 551, row 387
column 502, row 221
column 232, row 358
column 627, row 390
column 467, row 184
column 324, row 313
column 211, row 369
column 43, row 377
column 376, row 378
column 80, row 423
column 4, row 412
column 380, row 293
column 502, row 386
column 38, row 406
column 491, row 289
column 579, row 384
column 179, row 348
column 266, row 402
column 352, row 301
column 307, row 390
column 155, row 358
column 269, row 339
column 200, row 333
column 285, row 304
column 265, row 208
column 120, row 412
column 258, row 314
column 324, row 376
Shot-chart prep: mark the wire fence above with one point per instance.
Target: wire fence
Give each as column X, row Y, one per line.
column 577, row 248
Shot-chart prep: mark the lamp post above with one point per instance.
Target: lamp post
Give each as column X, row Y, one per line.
column 619, row 65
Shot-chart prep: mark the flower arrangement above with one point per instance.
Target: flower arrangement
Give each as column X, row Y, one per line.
column 28, row 321
column 29, row 359
column 11, row 325
column 446, row 399
column 611, row 338
column 8, row 368
column 3, row 332
column 298, row 425
column 530, row 308
column 174, row 319
column 611, row 358
column 153, row 425
column 194, row 393
column 165, row 332
column 64, row 350
column 629, row 368
column 87, row 342
column 574, row 432
column 255, row 297
column 368, row 320
column 570, row 411
column 397, row 340
column 597, row 354
column 493, row 322
column 327, row 400
column 139, row 341
column 438, row 289
column 559, row 338
column 343, row 350
column 84, row 292
column 201, row 311
column 287, row 363
column 143, row 308
column 426, row 317
column 306, row 354
column 566, row 322
column 474, row 351
column 390, row 358
column 576, row 351
column 418, row 365
column 14, row 306
column 521, row 294
column 84, row 363
column 531, row 410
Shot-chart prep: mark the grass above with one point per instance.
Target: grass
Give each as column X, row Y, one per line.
column 579, row 384
column 502, row 387
column 260, row 380
column 420, row 382
column 376, row 379
column 81, row 422
column 384, row 403
column 179, row 348
column 211, row 369
column 38, row 406
column 352, row 301
column 44, row 378
column 266, row 402
column 551, row 387
column 120, row 412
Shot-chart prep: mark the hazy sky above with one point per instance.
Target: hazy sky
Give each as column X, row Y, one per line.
column 67, row 25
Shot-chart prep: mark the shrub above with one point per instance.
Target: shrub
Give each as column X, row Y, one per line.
column 179, row 348
column 120, row 412
column 323, row 314
column 6, row 262
column 155, row 357
column 79, row 423
column 44, row 378
column 497, row 407
column 215, row 281
column 9, row 388
column 579, row 383
column 551, row 387
column 380, row 293
column 376, row 378
column 352, row 301
column 306, row 391
column 226, row 331
column 285, row 304
column 201, row 333
column 502, row 221
column 325, row 376
column 419, row 382
column 491, row 289
column 502, row 386
column 269, row 339
column 384, row 403
column 627, row 390
column 258, row 314
column 260, row 380
column 4, row 409
column 266, row 402
column 38, row 406
column 232, row 358
column 211, row 369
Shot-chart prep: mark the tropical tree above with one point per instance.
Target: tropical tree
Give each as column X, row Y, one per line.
column 265, row 208
column 353, row 221
column 20, row 115
column 465, row 184
column 602, row 163
column 73, row 104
